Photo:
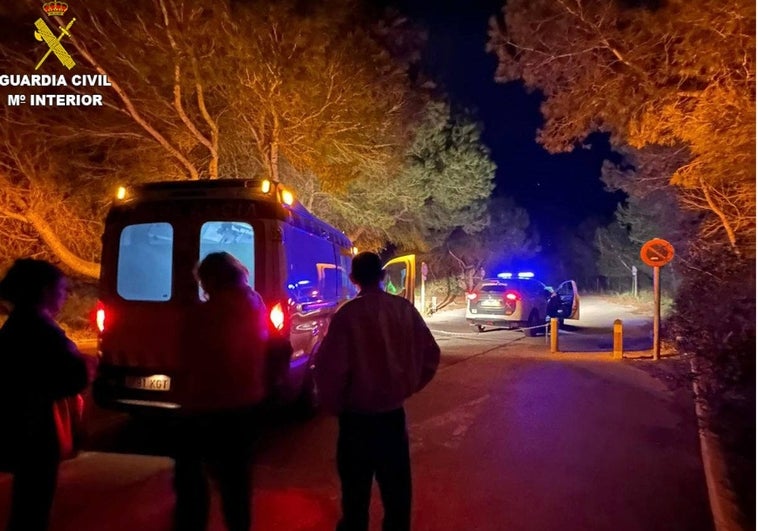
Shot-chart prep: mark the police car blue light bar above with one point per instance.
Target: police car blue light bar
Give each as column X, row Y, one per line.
column 520, row 274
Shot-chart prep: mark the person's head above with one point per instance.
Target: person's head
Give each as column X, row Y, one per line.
column 34, row 284
column 366, row 269
column 221, row 271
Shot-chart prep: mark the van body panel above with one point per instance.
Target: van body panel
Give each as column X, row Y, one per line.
column 149, row 342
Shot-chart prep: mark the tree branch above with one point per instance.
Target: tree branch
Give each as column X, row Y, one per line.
column 132, row 111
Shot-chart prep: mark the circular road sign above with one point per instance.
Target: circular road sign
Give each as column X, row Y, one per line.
column 657, row 252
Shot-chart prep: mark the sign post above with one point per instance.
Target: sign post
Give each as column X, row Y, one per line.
column 657, row 253
column 634, row 281
column 424, row 272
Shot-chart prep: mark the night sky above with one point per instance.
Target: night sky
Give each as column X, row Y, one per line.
column 556, row 190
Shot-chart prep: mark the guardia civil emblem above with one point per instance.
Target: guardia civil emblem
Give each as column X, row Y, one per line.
column 44, row 33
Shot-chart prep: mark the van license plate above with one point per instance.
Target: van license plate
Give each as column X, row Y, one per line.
column 155, row 382
column 490, row 303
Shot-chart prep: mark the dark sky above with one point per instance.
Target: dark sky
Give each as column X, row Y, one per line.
column 557, row 190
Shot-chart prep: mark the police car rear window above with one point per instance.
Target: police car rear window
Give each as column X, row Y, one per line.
column 144, row 262
column 493, row 288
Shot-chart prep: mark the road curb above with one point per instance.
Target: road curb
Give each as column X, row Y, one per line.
column 726, row 513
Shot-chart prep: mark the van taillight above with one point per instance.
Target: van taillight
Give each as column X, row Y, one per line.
column 276, row 315
column 512, row 296
column 100, row 316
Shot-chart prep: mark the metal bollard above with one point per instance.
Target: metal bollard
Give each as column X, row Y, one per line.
column 553, row 334
column 618, row 340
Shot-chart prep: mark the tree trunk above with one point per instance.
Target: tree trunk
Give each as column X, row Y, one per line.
column 274, row 150
column 730, row 234
column 273, row 161
column 76, row 264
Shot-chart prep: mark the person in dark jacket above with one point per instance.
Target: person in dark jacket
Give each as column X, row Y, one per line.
column 553, row 308
column 223, row 383
column 40, row 365
column 377, row 352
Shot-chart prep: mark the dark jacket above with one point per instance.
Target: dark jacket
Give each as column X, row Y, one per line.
column 377, row 352
column 225, row 353
column 38, row 365
column 554, row 306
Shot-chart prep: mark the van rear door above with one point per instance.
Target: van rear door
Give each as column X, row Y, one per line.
column 148, row 288
column 143, row 316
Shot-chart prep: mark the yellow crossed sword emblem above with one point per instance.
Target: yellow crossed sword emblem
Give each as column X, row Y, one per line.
column 43, row 33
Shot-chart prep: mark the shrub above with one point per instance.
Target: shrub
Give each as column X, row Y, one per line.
column 715, row 320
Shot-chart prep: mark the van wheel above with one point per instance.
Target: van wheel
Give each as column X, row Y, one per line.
column 534, row 321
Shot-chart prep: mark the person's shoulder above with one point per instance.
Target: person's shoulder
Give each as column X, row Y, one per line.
column 254, row 296
column 357, row 306
column 349, row 306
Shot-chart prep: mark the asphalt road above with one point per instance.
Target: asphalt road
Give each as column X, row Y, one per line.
column 506, row 438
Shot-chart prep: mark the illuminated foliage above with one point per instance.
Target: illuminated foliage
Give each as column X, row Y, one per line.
column 653, row 210
column 229, row 88
column 329, row 100
column 222, row 89
column 441, row 184
column 676, row 73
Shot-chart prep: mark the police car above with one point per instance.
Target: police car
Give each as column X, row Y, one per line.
column 518, row 301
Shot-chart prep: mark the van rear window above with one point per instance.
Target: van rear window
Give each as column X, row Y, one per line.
column 144, row 262
column 233, row 237
column 493, row 288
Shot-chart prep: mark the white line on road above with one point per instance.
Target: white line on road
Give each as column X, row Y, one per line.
column 449, row 428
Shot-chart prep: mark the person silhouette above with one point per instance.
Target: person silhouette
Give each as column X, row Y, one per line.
column 377, row 352
column 40, row 366
column 223, row 383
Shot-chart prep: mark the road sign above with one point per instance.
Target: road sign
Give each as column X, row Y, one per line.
column 424, row 272
column 657, row 252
